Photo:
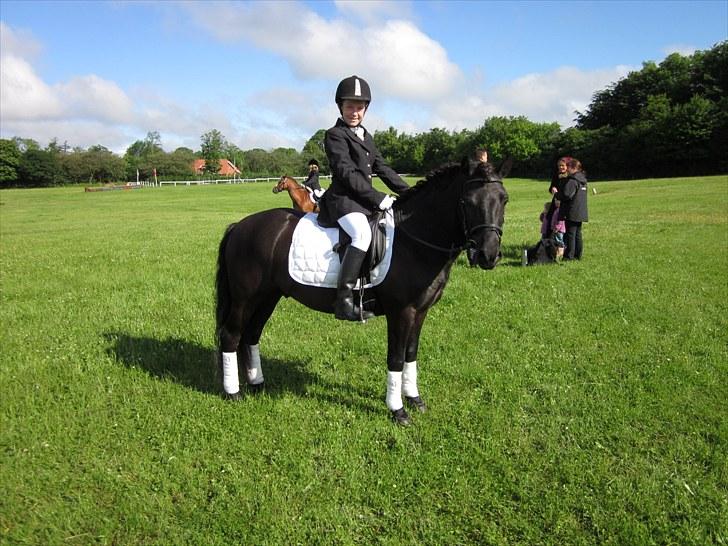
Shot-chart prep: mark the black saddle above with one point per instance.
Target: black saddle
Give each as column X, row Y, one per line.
column 375, row 254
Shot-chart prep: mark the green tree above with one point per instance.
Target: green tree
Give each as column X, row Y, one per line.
column 102, row 165
column 257, row 162
column 314, row 149
column 178, row 164
column 212, row 146
column 285, row 161
column 9, row 161
column 144, row 156
column 235, row 155
column 38, row 168
column 438, row 148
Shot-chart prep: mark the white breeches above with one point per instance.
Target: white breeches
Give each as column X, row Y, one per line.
column 357, row 226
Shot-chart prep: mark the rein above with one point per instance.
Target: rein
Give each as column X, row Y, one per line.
column 467, row 230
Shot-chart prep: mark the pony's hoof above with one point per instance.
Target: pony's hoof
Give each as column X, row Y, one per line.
column 234, row 397
column 401, row 417
column 417, row 403
column 257, row 388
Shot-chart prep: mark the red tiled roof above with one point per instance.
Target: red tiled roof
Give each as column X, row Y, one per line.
column 226, row 167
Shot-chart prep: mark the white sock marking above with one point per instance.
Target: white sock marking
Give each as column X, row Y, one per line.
column 394, row 391
column 255, row 370
column 230, row 381
column 409, row 380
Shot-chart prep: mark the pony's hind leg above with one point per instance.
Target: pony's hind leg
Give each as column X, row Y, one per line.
column 249, row 347
column 229, row 335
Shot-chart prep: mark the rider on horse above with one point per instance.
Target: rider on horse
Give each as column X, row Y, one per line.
column 312, row 182
column 351, row 197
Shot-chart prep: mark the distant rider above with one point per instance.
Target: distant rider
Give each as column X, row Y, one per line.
column 312, row 182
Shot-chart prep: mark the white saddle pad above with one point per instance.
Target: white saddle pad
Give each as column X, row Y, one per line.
column 313, row 262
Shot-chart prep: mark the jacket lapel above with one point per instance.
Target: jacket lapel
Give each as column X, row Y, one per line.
column 367, row 143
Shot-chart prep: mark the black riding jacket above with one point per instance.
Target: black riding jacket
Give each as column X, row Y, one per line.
column 353, row 162
column 312, row 181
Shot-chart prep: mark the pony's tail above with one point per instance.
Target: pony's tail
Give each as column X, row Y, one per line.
column 222, row 286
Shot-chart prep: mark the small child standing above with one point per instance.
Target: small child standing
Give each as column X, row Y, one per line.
column 558, row 228
column 553, row 226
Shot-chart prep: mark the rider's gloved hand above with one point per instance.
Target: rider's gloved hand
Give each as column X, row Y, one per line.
column 387, row 202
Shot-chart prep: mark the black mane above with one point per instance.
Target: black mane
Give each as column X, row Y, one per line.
column 445, row 174
column 438, row 178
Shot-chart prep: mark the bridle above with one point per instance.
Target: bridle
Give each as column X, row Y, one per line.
column 468, row 231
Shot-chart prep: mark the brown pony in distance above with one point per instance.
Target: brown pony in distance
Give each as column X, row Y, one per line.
column 300, row 196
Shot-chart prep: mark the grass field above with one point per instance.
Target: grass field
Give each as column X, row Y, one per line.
column 584, row 403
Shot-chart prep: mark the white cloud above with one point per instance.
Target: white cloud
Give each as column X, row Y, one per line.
column 89, row 110
column 682, row 49
column 24, row 95
column 18, row 43
column 373, row 12
column 395, row 57
column 555, row 95
column 95, row 98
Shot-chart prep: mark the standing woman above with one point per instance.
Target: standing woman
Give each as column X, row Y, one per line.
column 560, row 175
column 351, row 197
column 572, row 195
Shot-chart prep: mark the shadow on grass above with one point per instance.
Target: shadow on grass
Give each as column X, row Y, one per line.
column 195, row 367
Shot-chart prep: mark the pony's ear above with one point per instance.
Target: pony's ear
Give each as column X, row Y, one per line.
column 505, row 168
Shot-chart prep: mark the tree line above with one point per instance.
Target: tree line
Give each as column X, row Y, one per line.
column 666, row 119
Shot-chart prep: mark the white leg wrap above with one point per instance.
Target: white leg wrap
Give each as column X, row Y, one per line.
column 409, row 380
column 230, row 381
column 255, row 370
column 394, row 391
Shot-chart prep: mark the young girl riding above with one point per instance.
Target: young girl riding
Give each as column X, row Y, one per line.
column 351, row 197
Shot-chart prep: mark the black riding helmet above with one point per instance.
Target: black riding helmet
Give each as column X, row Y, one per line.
column 313, row 162
column 353, row 88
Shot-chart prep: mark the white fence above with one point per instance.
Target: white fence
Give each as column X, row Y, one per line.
column 160, row 183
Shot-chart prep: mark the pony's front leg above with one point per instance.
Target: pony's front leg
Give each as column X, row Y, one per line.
column 409, row 371
column 399, row 329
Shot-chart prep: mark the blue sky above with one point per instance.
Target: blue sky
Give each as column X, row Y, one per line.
column 264, row 73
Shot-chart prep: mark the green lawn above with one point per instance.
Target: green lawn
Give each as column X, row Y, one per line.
column 582, row 403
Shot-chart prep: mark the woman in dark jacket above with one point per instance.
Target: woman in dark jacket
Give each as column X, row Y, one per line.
column 351, row 197
column 572, row 194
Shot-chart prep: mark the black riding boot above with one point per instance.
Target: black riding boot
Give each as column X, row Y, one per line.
column 344, row 307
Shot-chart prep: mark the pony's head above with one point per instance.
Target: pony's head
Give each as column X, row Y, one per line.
column 284, row 183
column 482, row 208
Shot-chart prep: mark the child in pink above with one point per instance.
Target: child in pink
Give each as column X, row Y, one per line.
column 558, row 228
column 552, row 226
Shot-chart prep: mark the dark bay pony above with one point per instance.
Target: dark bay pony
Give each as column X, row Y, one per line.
column 457, row 207
column 300, row 196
